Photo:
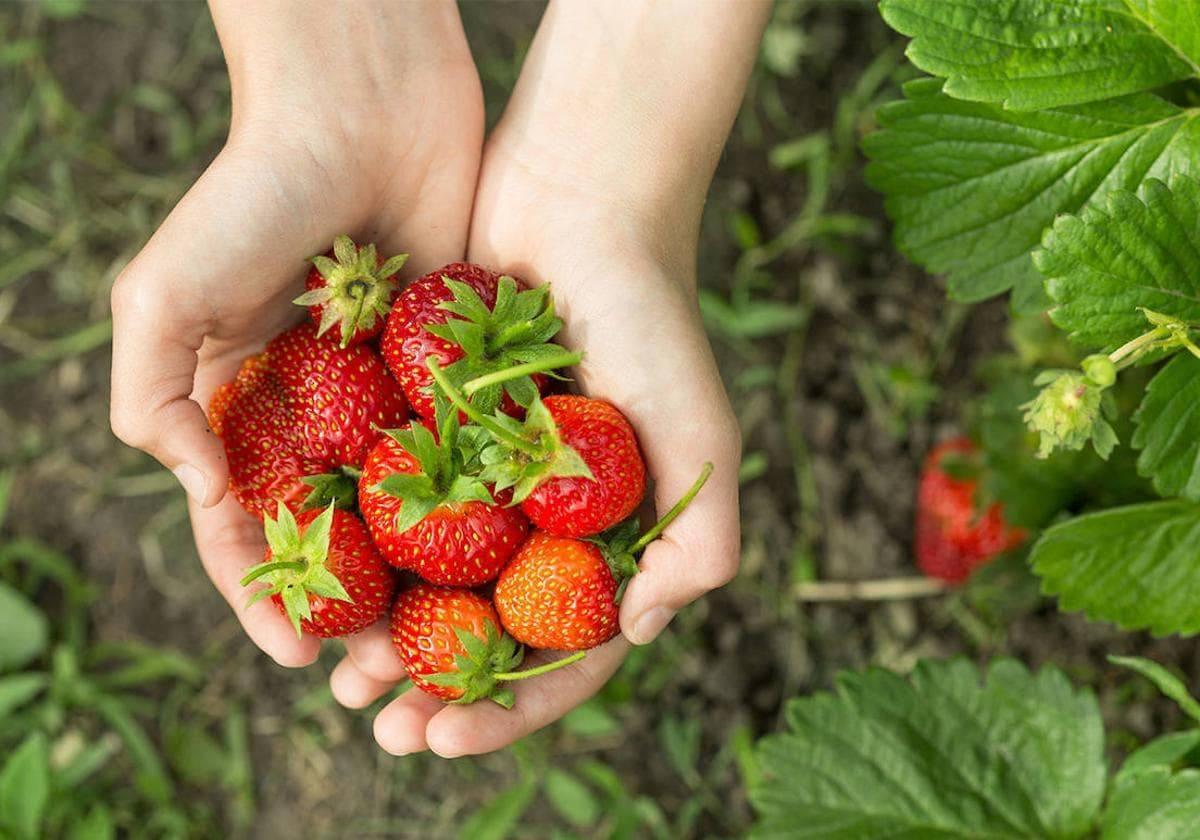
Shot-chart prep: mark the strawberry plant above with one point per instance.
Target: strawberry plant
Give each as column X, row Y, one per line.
column 952, row 752
column 1052, row 156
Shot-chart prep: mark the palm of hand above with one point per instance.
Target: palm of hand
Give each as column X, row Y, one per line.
column 636, row 319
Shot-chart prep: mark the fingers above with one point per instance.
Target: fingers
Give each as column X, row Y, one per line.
column 400, row 728
column 230, row 541
column 697, row 552
column 484, row 726
column 354, row 689
column 374, row 654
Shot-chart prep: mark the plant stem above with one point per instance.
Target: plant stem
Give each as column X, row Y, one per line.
column 678, row 508
column 474, row 414
column 499, row 377
column 278, row 566
column 541, row 669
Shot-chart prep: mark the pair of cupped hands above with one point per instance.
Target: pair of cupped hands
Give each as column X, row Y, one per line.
column 388, row 146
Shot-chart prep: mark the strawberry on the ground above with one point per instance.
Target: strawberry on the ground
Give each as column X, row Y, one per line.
column 451, row 646
column 562, row 593
column 573, row 463
column 953, row 535
column 429, row 514
column 323, row 572
column 352, row 288
column 473, row 322
column 302, row 407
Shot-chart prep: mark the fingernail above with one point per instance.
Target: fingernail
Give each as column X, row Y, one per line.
column 193, row 481
column 652, row 622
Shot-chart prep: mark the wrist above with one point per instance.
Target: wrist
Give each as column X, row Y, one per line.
column 351, row 63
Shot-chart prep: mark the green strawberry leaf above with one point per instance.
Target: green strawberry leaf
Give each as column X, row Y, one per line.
column 25, row 787
column 24, row 631
column 971, row 186
column 1164, row 751
column 1168, row 429
column 1135, row 566
column 945, row 752
column 1155, row 804
column 1118, row 257
column 1036, row 54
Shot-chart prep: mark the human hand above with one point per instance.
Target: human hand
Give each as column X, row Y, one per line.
column 367, row 121
column 615, row 233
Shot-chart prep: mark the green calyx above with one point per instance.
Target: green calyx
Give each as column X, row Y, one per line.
column 513, row 333
column 297, row 565
column 449, row 466
column 487, row 666
column 338, row 488
column 1071, row 409
column 622, row 544
column 518, row 454
column 357, row 290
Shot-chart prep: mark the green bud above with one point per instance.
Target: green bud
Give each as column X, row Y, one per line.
column 1065, row 412
column 1100, row 370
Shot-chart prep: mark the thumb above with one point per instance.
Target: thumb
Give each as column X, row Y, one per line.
column 153, row 369
column 164, row 304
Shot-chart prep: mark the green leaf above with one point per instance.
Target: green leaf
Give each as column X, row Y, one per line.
column 1123, row 255
column 942, row 753
column 1154, row 805
column 97, row 825
column 1136, row 566
column 1163, row 751
column 25, row 786
column 571, row 798
column 499, row 817
column 1033, row 54
column 19, row 689
column 1166, row 682
column 972, row 186
column 1168, row 429
column 23, row 630
column 591, row 720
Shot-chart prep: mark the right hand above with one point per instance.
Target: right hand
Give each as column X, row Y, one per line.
column 367, row 121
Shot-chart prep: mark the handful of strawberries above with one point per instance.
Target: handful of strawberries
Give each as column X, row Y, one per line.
column 510, row 507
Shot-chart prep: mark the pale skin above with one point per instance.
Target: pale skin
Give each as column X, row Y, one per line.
column 593, row 181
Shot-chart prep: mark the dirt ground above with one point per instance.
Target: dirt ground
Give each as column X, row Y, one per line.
column 837, row 411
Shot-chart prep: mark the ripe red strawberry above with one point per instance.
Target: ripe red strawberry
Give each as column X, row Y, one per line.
column 558, row 593
column 352, row 287
column 573, row 463
column 562, row 593
column 451, row 648
column 953, row 535
column 473, row 322
column 578, row 506
column 427, row 514
column 302, row 407
column 323, row 572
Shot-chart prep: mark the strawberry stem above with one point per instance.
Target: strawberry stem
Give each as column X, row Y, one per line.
column 474, row 414
column 541, row 669
column 678, row 508
column 499, row 377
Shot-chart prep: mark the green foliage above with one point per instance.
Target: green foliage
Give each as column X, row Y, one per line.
column 1034, row 54
column 1135, row 566
column 947, row 752
column 1110, row 262
column 971, row 186
column 951, row 752
column 1168, row 429
column 1154, row 805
